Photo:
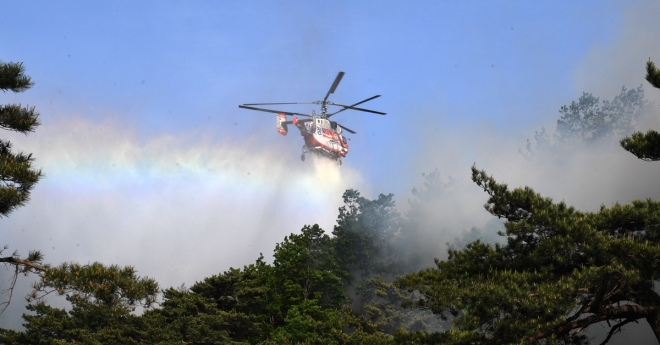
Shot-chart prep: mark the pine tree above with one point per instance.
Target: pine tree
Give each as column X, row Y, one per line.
column 16, row 171
column 17, row 177
column 590, row 120
column 560, row 272
column 646, row 146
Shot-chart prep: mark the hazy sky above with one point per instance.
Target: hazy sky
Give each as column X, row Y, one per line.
column 149, row 161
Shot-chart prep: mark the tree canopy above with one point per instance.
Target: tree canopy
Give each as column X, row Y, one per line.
column 17, row 176
column 560, row 271
column 645, row 146
column 297, row 299
column 590, row 120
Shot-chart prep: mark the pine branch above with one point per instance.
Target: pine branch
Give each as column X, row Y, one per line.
column 17, row 178
column 12, row 77
column 644, row 146
column 9, row 291
column 20, row 262
column 13, row 117
column 110, row 285
column 652, row 74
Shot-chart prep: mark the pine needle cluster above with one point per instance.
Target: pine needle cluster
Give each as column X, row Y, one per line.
column 646, row 146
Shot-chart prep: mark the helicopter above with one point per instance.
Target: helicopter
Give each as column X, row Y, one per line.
column 322, row 136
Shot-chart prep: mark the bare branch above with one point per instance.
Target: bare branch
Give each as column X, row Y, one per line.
column 9, row 291
column 633, row 312
column 18, row 262
column 616, row 328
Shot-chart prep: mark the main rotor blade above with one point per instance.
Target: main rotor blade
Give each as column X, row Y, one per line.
column 346, row 128
column 334, row 85
column 366, row 100
column 279, row 103
column 358, row 103
column 273, row 111
column 360, row 109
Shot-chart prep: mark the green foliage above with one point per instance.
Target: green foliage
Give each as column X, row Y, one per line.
column 385, row 312
column 85, row 323
column 305, row 268
column 559, row 266
column 363, row 234
column 112, row 286
column 17, row 178
column 374, row 244
column 244, row 295
column 186, row 317
column 299, row 299
column 13, row 117
column 299, row 296
column 12, row 77
column 102, row 299
column 307, row 289
column 645, row 146
column 652, row 74
column 561, row 270
column 450, row 337
column 308, row 323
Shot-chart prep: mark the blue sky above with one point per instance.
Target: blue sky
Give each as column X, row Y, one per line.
column 147, row 155
column 182, row 66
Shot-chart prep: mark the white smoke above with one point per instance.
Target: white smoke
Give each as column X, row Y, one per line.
column 177, row 208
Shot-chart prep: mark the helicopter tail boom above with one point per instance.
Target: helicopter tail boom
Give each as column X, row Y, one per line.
column 281, row 124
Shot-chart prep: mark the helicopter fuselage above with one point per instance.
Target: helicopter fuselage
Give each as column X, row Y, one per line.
column 321, row 136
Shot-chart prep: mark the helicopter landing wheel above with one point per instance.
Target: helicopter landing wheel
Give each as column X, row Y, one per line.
column 302, row 157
